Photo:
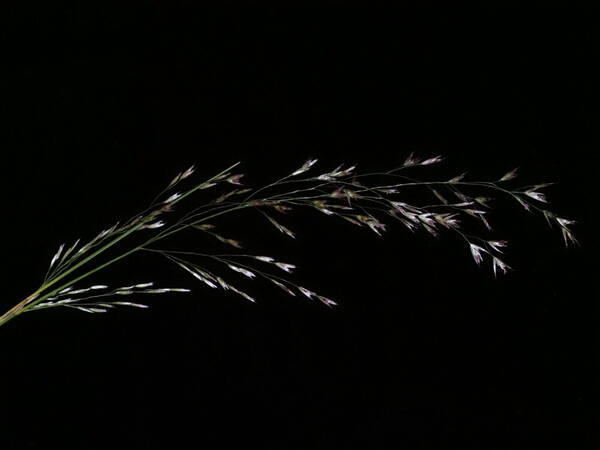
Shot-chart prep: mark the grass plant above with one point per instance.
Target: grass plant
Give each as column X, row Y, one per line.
column 366, row 200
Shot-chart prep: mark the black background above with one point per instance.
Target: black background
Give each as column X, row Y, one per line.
column 103, row 105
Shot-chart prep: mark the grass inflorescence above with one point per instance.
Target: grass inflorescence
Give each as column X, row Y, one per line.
column 366, row 200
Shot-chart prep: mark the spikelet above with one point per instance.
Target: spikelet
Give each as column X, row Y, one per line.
column 509, row 175
column 56, row 255
column 307, row 165
column 280, row 227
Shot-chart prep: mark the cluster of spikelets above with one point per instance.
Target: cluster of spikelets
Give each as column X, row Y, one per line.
column 363, row 200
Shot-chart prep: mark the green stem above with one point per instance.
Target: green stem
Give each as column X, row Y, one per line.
column 34, row 298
